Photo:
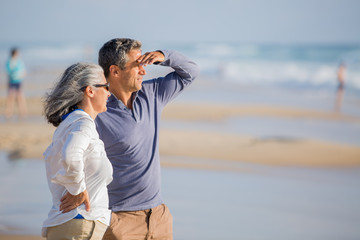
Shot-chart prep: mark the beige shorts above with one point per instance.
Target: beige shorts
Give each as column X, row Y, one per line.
column 77, row 229
column 155, row 223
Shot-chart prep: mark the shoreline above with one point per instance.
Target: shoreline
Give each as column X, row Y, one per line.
column 30, row 138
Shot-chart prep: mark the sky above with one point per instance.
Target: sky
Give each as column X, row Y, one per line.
column 247, row 21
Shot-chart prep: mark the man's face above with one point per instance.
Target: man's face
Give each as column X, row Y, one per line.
column 131, row 76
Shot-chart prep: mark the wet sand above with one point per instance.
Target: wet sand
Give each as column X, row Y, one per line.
column 20, row 237
column 29, row 138
column 284, row 202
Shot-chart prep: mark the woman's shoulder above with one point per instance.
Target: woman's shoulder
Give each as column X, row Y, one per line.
column 79, row 121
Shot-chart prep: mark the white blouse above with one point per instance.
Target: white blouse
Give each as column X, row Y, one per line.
column 76, row 161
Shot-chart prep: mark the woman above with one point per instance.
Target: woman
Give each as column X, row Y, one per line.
column 76, row 162
column 15, row 69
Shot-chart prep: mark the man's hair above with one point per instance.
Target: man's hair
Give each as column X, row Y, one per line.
column 114, row 52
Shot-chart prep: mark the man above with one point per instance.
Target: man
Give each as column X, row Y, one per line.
column 130, row 132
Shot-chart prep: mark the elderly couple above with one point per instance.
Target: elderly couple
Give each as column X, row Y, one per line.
column 105, row 151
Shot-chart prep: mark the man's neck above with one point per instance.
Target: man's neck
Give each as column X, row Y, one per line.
column 125, row 97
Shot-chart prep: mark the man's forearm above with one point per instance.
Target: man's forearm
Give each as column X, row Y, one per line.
column 187, row 69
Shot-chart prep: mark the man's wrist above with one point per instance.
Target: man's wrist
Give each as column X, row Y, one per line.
column 158, row 62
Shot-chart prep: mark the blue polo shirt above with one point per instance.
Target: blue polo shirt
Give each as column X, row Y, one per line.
column 131, row 137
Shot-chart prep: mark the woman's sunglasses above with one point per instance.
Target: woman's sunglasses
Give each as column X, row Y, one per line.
column 106, row 86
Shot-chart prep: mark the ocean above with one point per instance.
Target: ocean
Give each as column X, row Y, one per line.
column 291, row 65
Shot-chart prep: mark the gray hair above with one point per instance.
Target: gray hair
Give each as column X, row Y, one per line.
column 68, row 92
column 114, row 52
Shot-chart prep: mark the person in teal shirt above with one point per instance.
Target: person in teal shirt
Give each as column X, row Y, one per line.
column 15, row 69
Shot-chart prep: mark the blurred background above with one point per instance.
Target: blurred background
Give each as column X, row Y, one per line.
column 264, row 145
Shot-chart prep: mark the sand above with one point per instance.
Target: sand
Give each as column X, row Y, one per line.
column 20, row 237
column 30, row 137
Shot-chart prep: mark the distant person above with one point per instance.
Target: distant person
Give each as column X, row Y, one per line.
column 76, row 162
column 15, row 70
column 341, row 85
column 341, row 75
column 130, row 131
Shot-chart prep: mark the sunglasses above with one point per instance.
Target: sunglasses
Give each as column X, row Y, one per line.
column 106, row 86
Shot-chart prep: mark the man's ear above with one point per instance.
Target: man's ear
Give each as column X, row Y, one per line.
column 114, row 70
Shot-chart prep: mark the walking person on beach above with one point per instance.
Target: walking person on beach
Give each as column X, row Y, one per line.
column 15, row 70
column 341, row 72
column 76, row 162
column 130, row 131
column 341, row 75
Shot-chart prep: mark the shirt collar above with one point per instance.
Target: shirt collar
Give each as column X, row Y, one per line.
column 113, row 100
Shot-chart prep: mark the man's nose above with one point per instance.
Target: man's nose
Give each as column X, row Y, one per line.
column 142, row 70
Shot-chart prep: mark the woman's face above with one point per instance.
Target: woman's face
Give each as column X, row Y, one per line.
column 101, row 95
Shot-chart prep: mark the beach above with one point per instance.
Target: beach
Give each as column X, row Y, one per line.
column 29, row 138
column 246, row 141
column 263, row 145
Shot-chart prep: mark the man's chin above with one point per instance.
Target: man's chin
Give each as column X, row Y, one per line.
column 139, row 85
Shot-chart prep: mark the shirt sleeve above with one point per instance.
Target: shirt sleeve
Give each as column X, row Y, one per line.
column 166, row 88
column 8, row 67
column 72, row 175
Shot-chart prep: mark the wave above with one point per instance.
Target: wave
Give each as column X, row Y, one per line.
column 272, row 72
column 44, row 55
column 311, row 65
